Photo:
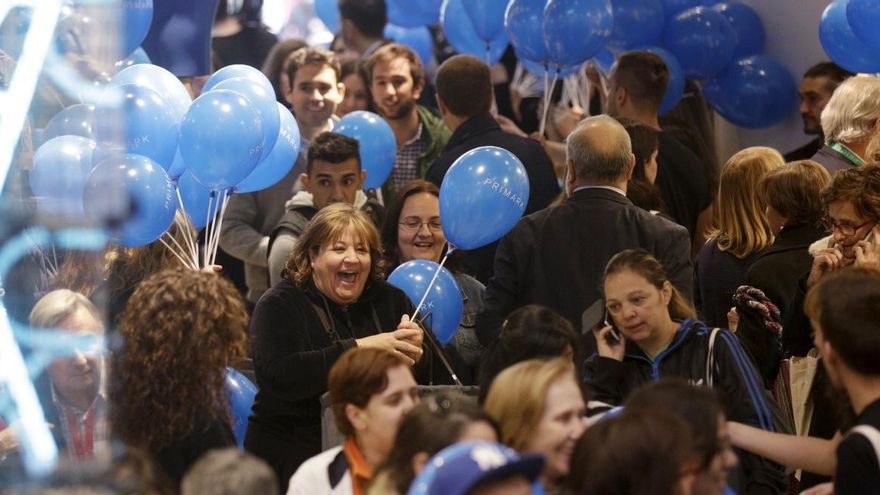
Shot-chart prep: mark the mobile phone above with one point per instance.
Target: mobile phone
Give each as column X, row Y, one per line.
column 613, row 335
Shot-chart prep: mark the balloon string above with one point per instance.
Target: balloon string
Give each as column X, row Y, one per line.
column 174, row 252
column 187, row 228
column 207, row 230
column 488, row 54
column 543, row 123
column 179, row 248
column 431, row 284
column 226, row 195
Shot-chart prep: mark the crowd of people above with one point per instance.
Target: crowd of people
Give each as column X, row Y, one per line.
column 653, row 324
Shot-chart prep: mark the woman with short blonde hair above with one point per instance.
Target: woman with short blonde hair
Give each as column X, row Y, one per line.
column 540, row 409
column 741, row 231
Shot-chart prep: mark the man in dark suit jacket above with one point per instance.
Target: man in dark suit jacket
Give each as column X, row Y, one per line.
column 464, row 95
column 556, row 257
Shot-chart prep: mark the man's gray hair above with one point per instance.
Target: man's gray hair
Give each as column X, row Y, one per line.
column 229, row 472
column 853, row 110
column 600, row 149
column 57, row 306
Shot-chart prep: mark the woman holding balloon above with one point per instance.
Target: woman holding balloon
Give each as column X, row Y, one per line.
column 332, row 298
column 412, row 230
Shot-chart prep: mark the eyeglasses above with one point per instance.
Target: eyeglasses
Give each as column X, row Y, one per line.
column 844, row 228
column 414, row 224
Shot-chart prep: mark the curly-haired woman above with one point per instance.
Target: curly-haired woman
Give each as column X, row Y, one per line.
column 180, row 329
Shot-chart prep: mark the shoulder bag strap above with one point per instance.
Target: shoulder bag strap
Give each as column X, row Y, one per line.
column 710, row 358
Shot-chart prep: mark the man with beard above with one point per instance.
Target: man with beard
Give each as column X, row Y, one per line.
column 396, row 80
column 818, row 85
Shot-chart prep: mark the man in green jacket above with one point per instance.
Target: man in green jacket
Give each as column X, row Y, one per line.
column 397, row 79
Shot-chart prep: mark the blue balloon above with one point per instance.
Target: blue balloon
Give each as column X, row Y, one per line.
column 160, row 81
column 75, row 120
column 417, row 38
column 746, row 24
column 138, row 17
column 280, row 159
column 841, row 44
column 675, row 87
column 483, row 195
column 460, row 458
column 524, row 20
column 138, row 120
column 221, row 138
column 179, row 36
column 57, row 179
column 138, row 56
column 604, row 60
column 864, row 17
column 702, row 40
column 196, row 199
column 241, row 398
column 264, row 103
column 328, row 12
column 237, row 70
column 487, row 17
column 575, row 29
column 672, row 7
column 378, row 146
column 460, row 34
column 133, row 196
column 637, row 22
column 413, row 13
column 753, row 92
column 443, row 307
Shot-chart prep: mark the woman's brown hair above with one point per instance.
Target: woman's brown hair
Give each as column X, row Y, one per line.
column 326, row 227
column 795, row 191
column 741, row 223
column 647, row 266
column 180, row 329
column 860, row 186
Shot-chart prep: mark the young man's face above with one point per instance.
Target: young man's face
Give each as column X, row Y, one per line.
column 334, row 182
column 815, row 93
column 314, row 94
column 393, row 89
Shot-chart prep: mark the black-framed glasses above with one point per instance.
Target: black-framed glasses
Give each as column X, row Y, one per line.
column 844, row 228
column 414, row 224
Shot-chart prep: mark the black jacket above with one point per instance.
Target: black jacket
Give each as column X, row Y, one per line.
column 556, row 257
column 806, row 151
column 608, row 382
column 777, row 269
column 483, row 130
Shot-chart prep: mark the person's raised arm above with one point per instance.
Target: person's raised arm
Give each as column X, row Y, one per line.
column 816, row 455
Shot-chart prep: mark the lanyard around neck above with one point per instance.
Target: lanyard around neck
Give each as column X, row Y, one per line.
column 848, row 153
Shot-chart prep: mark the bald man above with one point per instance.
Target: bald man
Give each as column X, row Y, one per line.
column 556, row 257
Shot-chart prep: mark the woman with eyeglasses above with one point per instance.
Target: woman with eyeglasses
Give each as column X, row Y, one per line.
column 412, row 230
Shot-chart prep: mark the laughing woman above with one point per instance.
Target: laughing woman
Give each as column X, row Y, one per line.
column 332, row 298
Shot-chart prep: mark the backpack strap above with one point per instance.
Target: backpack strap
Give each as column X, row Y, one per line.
column 872, row 434
column 710, row 357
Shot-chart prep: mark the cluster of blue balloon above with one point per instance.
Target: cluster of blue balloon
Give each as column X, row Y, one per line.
column 378, row 146
column 241, row 392
column 482, row 196
column 146, row 134
column 848, row 33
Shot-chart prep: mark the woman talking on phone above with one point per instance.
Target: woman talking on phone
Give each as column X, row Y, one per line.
column 653, row 334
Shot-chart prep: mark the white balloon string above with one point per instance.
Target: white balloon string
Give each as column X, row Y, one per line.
column 187, row 228
column 543, row 123
column 431, row 284
column 207, row 230
column 178, row 248
column 226, row 195
column 174, row 252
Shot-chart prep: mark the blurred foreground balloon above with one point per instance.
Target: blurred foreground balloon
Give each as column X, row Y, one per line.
column 841, row 44
column 460, row 34
column 413, row 13
column 328, row 12
column 280, row 159
column 753, row 92
column 575, row 29
column 443, row 307
column 133, row 196
column 636, row 22
column 136, row 119
column 180, row 36
column 482, row 196
column 702, row 40
column 487, row 17
column 237, row 70
column 58, row 177
column 221, row 138
column 524, row 20
column 378, row 147
column 160, row 81
column 76, row 120
column 241, row 397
